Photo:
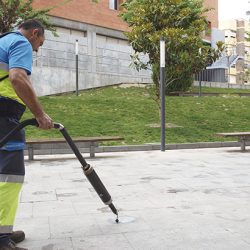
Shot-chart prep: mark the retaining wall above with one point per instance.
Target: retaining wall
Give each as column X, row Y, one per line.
column 104, row 59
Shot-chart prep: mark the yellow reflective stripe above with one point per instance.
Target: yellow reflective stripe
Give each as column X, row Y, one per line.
column 6, row 229
column 9, row 193
column 3, row 72
column 6, row 88
column 11, row 178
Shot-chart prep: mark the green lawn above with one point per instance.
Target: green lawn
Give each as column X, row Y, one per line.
column 130, row 112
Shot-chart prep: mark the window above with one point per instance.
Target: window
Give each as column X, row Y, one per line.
column 113, row 4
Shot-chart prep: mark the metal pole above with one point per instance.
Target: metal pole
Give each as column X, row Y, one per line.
column 200, row 84
column 200, row 76
column 162, row 92
column 76, row 67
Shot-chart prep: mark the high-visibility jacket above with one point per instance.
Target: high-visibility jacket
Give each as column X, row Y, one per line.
column 6, row 89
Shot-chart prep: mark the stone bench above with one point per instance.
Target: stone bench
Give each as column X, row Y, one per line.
column 59, row 145
column 243, row 137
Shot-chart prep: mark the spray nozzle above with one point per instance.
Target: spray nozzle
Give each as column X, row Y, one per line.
column 114, row 210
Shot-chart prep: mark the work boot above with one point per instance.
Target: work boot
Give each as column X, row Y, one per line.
column 11, row 246
column 17, row 236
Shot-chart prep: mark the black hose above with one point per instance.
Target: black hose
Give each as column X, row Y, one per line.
column 21, row 125
column 72, row 145
column 89, row 171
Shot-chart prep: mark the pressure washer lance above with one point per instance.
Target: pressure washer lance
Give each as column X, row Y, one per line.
column 87, row 169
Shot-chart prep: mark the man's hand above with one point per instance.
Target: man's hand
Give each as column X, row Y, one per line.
column 44, row 121
column 26, row 93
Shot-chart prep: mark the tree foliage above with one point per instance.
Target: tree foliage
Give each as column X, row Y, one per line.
column 181, row 23
column 14, row 12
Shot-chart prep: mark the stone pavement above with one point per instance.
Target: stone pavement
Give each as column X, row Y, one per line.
column 180, row 199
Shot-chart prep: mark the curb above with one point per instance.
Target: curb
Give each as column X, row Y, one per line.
column 148, row 147
column 64, row 149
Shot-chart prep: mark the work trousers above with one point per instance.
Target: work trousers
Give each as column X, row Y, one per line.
column 12, row 168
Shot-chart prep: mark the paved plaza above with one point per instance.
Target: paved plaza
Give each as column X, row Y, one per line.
column 179, row 199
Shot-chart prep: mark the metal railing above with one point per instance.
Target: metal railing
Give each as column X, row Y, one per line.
column 212, row 75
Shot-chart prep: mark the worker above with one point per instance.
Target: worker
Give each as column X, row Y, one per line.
column 16, row 93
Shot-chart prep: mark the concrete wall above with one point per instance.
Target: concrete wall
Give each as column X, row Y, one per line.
column 104, row 59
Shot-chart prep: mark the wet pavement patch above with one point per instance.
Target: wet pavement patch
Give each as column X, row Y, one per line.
column 152, row 178
column 40, row 193
column 66, row 195
column 177, row 190
column 123, row 220
column 79, row 180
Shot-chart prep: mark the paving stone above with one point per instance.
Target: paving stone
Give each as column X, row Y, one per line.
column 25, row 210
column 178, row 200
column 53, row 208
column 50, row 244
column 35, row 228
column 104, row 242
column 73, row 226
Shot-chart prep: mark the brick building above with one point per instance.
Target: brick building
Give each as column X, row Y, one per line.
column 105, row 13
column 104, row 52
column 213, row 14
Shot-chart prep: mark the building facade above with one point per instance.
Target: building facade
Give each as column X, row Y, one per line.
column 104, row 52
column 237, row 50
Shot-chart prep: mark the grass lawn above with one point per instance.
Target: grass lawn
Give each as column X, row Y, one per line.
column 131, row 113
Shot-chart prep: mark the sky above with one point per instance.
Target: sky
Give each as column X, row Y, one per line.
column 233, row 9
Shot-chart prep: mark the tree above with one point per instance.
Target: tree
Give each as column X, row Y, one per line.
column 14, row 12
column 181, row 23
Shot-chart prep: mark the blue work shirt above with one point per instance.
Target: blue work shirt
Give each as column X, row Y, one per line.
column 16, row 52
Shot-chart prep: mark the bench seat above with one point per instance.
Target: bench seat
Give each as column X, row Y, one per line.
column 243, row 137
column 60, row 143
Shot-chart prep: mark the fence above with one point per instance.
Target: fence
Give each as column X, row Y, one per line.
column 211, row 75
